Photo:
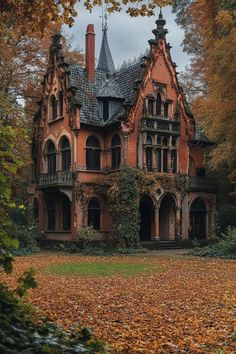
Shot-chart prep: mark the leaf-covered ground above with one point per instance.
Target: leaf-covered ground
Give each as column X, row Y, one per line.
column 186, row 305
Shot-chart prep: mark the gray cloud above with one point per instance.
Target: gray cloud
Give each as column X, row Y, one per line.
column 128, row 37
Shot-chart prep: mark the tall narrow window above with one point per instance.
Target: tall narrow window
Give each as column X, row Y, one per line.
column 174, row 161
column 65, row 154
column 149, row 153
column 94, row 214
column 166, row 109
column 158, row 104
column 51, row 157
column 150, row 107
column 158, row 160
column 165, row 160
column 66, row 214
column 115, row 152
column 51, row 215
column 53, row 103
column 60, row 99
column 105, row 110
column 93, row 153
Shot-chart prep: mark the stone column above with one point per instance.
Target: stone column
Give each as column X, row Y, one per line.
column 156, row 224
column 178, row 223
column 144, row 158
column 125, row 147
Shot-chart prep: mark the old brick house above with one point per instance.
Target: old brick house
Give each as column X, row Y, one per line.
column 92, row 121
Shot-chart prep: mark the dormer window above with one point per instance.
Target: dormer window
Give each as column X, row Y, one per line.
column 105, row 110
column 53, row 106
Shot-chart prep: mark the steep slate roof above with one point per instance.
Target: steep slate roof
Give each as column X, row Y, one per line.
column 108, row 83
column 119, row 85
column 105, row 62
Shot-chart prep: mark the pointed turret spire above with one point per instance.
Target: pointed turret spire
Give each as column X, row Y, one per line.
column 105, row 62
column 160, row 32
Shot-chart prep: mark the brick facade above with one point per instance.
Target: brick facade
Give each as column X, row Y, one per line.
column 136, row 116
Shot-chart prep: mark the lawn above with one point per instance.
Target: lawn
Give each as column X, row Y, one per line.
column 147, row 303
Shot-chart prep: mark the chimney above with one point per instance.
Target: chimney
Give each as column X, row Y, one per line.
column 90, row 52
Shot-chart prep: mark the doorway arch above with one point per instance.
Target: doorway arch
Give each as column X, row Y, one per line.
column 167, row 218
column 198, row 213
column 146, row 212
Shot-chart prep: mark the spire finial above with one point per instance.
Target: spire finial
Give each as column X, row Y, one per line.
column 104, row 19
column 160, row 14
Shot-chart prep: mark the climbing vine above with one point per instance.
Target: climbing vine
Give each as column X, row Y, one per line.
column 123, row 191
column 124, row 204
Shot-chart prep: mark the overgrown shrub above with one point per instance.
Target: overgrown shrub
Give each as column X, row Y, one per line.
column 26, row 235
column 22, row 332
column 225, row 246
column 226, row 216
column 84, row 236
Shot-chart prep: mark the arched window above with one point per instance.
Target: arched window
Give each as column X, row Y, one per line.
column 158, row 104
column 149, row 153
column 150, row 107
column 94, row 214
column 158, row 140
column 53, row 104
column 198, row 219
column 115, row 152
column 60, row 99
column 66, row 214
column 166, row 109
column 93, row 153
column 51, row 215
column 65, row 154
column 51, row 157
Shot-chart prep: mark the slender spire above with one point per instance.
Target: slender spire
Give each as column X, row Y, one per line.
column 105, row 62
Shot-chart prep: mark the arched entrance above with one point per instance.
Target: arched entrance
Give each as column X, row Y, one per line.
column 146, row 211
column 197, row 219
column 167, row 218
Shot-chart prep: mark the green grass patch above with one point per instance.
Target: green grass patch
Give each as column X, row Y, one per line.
column 100, row 269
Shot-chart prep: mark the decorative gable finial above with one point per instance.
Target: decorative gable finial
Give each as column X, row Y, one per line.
column 160, row 32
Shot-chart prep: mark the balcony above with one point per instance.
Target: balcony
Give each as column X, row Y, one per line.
column 156, row 124
column 56, row 179
column 201, row 184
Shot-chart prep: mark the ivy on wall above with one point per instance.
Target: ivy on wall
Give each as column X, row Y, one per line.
column 124, row 203
column 123, row 190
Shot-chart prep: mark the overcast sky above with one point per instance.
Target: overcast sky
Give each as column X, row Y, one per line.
column 128, row 37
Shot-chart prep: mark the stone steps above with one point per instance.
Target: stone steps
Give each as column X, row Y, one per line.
column 161, row 245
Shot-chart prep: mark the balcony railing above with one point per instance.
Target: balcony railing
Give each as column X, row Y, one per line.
column 56, row 179
column 201, row 184
column 160, row 125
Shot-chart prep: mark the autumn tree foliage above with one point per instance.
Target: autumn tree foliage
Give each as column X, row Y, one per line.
column 210, row 39
column 35, row 15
